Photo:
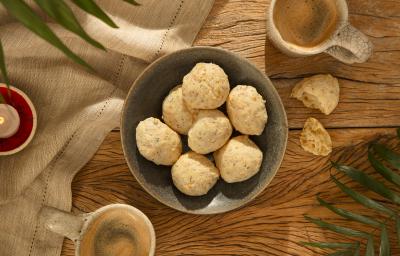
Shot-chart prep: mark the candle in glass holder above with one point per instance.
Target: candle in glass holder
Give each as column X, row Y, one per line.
column 9, row 121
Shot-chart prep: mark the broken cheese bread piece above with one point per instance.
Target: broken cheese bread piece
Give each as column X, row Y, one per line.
column 315, row 139
column 319, row 92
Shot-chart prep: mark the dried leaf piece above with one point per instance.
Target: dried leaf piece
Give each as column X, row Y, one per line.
column 319, row 92
column 315, row 139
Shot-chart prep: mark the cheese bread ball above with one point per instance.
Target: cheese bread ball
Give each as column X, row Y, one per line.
column 157, row 142
column 319, row 92
column 239, row 160
column 315, row 139
column 175, row 113
column 246, row 110
column 194, row 175
column 210, row 131
column 205, row 87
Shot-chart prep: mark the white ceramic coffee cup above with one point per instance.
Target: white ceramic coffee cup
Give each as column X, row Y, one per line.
column 74, row 226
column 346, row 43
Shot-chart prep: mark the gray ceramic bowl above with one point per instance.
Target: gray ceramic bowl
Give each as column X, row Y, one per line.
column 145, row 99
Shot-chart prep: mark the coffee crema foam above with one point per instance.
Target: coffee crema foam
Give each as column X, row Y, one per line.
column 116, row 232
column 306, row 23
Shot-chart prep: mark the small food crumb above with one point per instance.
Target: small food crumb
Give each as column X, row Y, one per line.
column 318, row 92
column 315, row 139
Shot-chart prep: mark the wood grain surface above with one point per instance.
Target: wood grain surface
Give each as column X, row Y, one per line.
column 372, row 88
column 273, row 223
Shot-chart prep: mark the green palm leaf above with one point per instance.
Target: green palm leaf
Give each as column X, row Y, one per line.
column 22, row 12
column 341, row 253
column 398, row 229
column 132, row 2
column 388, row 174
column 91, row 7
column 367, row 202
column 3, row 66
column 349, row 215
column 337, row 229
column 357, row 250
column 378, row 187
column 370, row 247
column 385, row 244
column 3, row 72
column 62, row 13
column 330, row 245
column 368, row 182
column 387, row 154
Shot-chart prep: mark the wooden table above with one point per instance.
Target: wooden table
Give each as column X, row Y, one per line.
column 273, row 223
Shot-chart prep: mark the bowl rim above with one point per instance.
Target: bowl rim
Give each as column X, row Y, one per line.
column 241, row 203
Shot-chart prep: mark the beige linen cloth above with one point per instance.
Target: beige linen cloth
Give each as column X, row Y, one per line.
column 77, row 108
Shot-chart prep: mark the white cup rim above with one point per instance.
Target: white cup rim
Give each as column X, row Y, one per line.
column 92, row 216
column 277, row 39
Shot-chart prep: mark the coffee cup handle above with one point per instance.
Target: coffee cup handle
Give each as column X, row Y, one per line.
column 351, row 46
column 62, row 223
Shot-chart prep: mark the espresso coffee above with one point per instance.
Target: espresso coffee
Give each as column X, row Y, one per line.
column 115, row 232
column 306, row 23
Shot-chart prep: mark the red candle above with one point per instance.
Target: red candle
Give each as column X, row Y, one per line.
column 27, row 126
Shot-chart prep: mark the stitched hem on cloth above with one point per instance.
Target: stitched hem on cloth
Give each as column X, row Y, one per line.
column 178, row 11
column 61, row 153
column 99, row 114
column 105, row 107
